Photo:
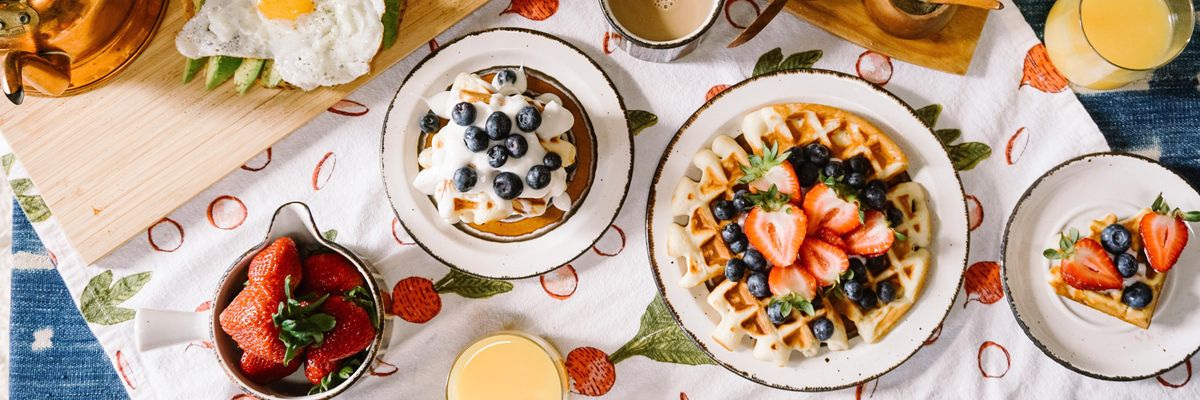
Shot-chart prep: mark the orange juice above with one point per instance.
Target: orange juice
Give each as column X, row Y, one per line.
column 508, row 366
column 1104, row 44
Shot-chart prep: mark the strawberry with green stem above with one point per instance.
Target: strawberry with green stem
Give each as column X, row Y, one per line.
column 417, row 299
column 1164, row 233
column 1083, row 263
column 659, row 338
column 354, row 332
column 770, row 170
column 775, row 227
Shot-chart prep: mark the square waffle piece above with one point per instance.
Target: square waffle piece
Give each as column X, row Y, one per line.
column 696, row 241
column 1109, row 301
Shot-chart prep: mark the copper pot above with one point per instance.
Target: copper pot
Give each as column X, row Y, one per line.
column 902, row 23
column 63, row 47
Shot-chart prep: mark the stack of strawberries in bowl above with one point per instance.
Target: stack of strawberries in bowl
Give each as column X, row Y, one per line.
column 317, row 312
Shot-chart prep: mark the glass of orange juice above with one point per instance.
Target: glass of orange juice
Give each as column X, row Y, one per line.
column 1106, row 44
column 508, row 365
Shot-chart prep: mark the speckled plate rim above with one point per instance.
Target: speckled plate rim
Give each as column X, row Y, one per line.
column 1008, row 290
column 959, row 266
column 546, row 265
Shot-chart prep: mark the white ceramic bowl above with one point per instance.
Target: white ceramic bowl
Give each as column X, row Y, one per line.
column 929, row 166
column 1078, row 337
column 593, row 214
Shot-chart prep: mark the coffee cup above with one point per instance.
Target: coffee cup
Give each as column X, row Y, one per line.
column 661, row 30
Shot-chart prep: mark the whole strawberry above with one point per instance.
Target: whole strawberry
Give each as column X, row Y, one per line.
column 352, row 333
column 274, row 264
column 248, row 320
column 329, row 273
column 264, row 371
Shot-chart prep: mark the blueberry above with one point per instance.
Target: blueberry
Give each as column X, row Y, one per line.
column 516, row 145
column 867, row 299
column 723, row 210
column 859, row 164
column 552, row 160
column 498, row 125
column 755, row 261
column 775, row 313
column 538, row 177
column 878, row 263
column 877, row 184
column 739, row 246
column 497, row 156
column 853, row 289
column 529, row 119
column 464, row 178
column 807, row 174
column 506, row 77
column 1137, row 295
column 508, row 185
column 757, row 284
column 817, row 153
column 735, row 269
column 731, row 232
column 1127, row 264
column 741, row 201
column 874, row 198
column 822, row 328
column 887, row 291
column 463, row 114
column 475, row 139
column 1116, row 238
column 796, row 157
column 893, row 214
column 856, row 180
column 429, row 122
column 859, row 270
column 834, row 169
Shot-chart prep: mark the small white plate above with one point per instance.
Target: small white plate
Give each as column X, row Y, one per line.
column 928, row 165
column 583, row 79
column 1078, row 337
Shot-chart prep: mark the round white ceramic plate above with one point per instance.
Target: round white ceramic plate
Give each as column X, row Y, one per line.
column 1078, row 337
column 929, row 166
column 592, row 214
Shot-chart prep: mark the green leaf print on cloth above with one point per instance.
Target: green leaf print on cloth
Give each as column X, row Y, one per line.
column 8, row 160
column 470, row 286
column 330, row 235
column 101, row 297
column 639, row 120
column 660, row 339
column 33, row 205
column 773, row 61
column 964, row 156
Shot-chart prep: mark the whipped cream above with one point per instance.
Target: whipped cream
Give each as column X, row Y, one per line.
column 447, row 152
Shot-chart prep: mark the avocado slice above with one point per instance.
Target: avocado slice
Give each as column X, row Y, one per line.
column 193, row 67
column 270, row 76
column 246, row 74
column 220, row 69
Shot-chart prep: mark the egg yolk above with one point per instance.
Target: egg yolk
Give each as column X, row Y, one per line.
column 285, row 9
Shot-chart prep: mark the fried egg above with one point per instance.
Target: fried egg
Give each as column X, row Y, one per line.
column 313, row 42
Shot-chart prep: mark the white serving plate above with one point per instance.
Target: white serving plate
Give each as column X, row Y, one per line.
column 1078, row 337
column 594, row 213
column 929, row 166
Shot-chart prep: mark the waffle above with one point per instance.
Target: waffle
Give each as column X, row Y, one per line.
column 909, row 261
column 479, row 208
column 1109, row 301
column 696, row 240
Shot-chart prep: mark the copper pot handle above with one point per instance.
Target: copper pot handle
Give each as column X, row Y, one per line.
column 23, row 60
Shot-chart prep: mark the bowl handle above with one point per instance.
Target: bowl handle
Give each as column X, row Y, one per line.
column 160, row 328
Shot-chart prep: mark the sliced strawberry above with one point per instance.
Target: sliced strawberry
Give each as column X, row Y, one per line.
column 875, row 237
column 825, row 209
column 824, row 260
column 792, row 279
column 782, row 176
column 776, row 234
column 1090, row 267
column 1164, row 236
column 832, row 238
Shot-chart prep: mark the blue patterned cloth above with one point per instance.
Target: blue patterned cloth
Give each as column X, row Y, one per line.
column 1162, row 120
column 68, row 362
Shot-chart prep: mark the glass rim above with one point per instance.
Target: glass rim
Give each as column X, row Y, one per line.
column 1189, row 14
column 549, row 349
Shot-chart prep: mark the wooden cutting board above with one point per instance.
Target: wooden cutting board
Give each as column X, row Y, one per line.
column 949, row 50
column 113, row 161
